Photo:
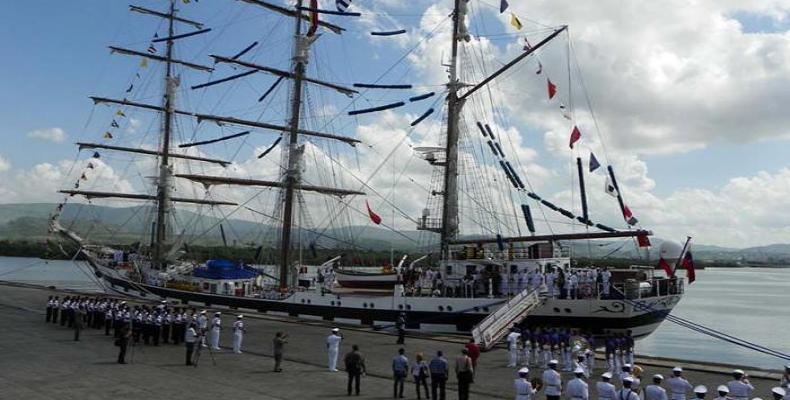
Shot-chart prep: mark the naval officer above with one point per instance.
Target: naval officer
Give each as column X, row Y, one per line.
column 678, row 385
column 604, row 387
column 778, row 393
column 524, row 389
column 552, row 381
column 627, row 393
column 238, row 333
column 577, row 388
column 740, row 387
column 512, row 346
column 723, row 392
column 216, row 327
column 333, row 348
column 655, row 391
column 700, row 391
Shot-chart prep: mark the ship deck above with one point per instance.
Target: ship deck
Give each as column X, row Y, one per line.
column 41, row 361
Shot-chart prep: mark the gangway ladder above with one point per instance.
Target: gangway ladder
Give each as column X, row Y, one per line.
column 496, row 325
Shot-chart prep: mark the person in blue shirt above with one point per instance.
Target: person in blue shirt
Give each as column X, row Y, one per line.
column 440, row 370
column 400, row 369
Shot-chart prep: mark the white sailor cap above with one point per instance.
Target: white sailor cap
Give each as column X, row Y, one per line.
column 240, row 316
column 626, row 366
column 217, row 313
column 757, row 398
column 123, row 302
column 723, row 389
column 578, row 370
column 163, row 301
column 779, row 391
column 658, row 376
column 335, row 329
column 607, row 375
column 628, row 379
column 553, row 362
column 787, row 366
column 203, row 311
column 677, row 369
column 701, row 389
column 524, row 370
column 738, row 372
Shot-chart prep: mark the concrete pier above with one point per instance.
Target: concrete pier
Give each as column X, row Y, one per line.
column 41, row 361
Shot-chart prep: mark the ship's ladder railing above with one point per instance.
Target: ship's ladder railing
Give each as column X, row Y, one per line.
column 497, row 324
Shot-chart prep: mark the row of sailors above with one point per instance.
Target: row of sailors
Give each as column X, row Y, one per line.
column 739, row 388
column 536, row 347
column 150, row 323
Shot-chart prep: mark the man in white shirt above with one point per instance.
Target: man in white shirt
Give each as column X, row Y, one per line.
column 333, row 348
column 216, row 326
column 606, row 277
column 512, row 346
column 740, row 388
column 202, row 327
column 552, row 381
column 189, row 339
column 524, row 389
column 678, row 385
column 604, row 387
column 626, row 393
column 700, row 391
column 577, row 388
column 655, row 391
column 723, row 392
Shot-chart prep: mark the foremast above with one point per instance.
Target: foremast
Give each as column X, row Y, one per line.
column 163, row 183
column 449, row 227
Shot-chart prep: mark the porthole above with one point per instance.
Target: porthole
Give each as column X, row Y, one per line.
column 449, row 308
column 372, row 306
column 556, row 309
column 338, row 304
column 568, row 310
column 477, row 308
column 364, row 305
column 331, row 303
column 441, row 308
column 302, row 301
column 308, row 301
column 485, row 309
column 400, row 306
column 408, row 306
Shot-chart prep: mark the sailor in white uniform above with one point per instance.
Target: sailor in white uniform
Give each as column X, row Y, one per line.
column 577, row 388
column 550, row 284
column 202, row 323
column 779, row 393
column 216, row 326
column 238, row 334
column 624, row 373
column 606, row 276
column 512, row 346
column 552, row 381
column 626, row 393
column 333, row 348
column 655, row 391
column 524, row 389
column 723, row 392
column 678, row 385
column 581, row 364
column 700, row 391
column 740, row 388
column 604, row 387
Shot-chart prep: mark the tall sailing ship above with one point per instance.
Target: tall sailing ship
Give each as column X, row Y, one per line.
column 478, row 281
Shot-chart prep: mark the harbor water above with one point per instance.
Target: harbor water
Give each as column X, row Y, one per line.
column 749, row 303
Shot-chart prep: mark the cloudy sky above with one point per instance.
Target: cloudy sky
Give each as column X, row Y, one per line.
column 688, row 100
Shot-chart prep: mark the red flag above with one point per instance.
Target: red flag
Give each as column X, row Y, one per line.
column 552, row 88
column 643, row 241
column 688, row 264
column 667, row 268
column 313, row 18
column 629, row 216
column 575, row 135
column 373, row 216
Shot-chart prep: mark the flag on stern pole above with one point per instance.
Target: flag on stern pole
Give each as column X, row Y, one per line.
column 515, row 21
column 594, row 164
column 688, row 264
column 552, row 88
column 609, row 187
column 575, row 135
column 373, row 216
column 629, row 216
column 503, row 5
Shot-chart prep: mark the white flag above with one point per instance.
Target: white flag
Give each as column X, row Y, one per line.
column 609, row 188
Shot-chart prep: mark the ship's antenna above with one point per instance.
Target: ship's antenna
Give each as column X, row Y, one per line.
column 449, row 229
column 163, row 183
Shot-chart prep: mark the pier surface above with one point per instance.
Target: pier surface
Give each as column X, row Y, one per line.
column 41, row 361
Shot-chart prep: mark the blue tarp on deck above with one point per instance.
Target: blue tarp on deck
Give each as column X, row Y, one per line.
column 224, row 269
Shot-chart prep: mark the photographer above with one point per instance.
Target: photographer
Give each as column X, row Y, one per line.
column 189, row 339
column 280, row 339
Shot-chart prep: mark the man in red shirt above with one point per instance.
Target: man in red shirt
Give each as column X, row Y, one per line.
column 474, row 352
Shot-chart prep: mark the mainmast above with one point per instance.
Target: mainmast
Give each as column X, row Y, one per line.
column 163, row 183
column 449, row 228
column 291, row 178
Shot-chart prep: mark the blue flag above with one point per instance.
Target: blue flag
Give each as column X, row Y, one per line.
column 342, row 5
column 503, row 6
column 594, row 164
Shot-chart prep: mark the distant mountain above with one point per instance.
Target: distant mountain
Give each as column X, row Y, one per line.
column 129, row 224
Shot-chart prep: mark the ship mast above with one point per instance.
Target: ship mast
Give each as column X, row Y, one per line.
column 449, row 228
column 163, row 183
column 301, row 52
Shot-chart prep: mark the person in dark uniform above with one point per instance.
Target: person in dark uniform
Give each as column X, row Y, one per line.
column 167, row 321
column 123, row 342
column 63, row 310
column 50, row 301
column 79, row 317
column 400, row 325
column 439, row 373
column 355, row 367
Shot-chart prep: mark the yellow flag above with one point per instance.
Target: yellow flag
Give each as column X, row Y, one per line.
column 107, row 135
column 515, row 21
column 120, row 113
column 143, row 62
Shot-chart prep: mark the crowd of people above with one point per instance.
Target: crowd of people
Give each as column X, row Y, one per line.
column 551, row 350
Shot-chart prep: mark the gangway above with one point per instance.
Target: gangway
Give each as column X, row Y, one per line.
column 496, row 325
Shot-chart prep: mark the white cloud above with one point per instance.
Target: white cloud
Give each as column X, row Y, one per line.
column 5, row 165
column 56, row 135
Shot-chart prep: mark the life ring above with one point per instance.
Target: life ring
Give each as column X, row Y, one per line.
column 586, row 291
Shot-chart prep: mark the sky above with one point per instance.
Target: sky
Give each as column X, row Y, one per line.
column 689, row 100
